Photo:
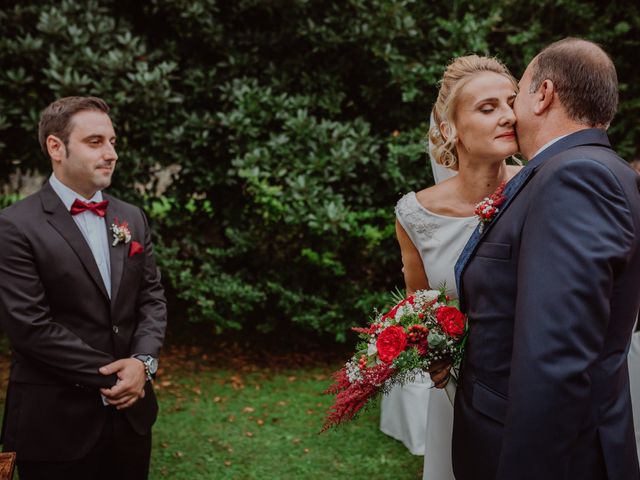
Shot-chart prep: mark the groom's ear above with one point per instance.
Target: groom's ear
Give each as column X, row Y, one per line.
column 56, row 148
column 544, row 97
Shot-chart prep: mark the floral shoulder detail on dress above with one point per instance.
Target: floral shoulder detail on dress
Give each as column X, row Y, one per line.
column 415, row 218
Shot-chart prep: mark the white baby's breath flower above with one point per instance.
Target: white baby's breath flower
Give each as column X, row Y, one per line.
column 429, row 295
column 372, row 349
column 353, row 372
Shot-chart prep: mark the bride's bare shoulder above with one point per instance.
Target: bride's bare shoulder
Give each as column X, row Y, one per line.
column 434, row 198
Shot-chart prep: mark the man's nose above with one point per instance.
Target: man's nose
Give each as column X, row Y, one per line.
column 110, row 153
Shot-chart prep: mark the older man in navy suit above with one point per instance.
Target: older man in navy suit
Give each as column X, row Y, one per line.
column 552, row 290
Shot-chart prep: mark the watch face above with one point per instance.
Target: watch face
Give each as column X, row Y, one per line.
column 153, row 365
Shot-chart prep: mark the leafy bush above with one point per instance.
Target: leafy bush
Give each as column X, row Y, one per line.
column 296, row 125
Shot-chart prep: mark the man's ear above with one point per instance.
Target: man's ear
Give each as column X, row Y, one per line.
column 544, row 97
column 56, row 148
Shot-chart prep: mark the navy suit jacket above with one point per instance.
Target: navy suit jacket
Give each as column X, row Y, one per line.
column 552, row 290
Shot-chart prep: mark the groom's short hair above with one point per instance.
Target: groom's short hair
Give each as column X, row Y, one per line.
column 56, row 119
column 584, row 78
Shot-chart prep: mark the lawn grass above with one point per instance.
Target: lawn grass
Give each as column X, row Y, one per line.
column 262, row 422
column 264, row 425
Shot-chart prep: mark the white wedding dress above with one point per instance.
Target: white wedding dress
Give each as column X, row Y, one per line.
column 416, row 414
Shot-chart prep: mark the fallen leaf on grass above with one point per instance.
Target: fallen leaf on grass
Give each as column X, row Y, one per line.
column 236, row 382
column 248, row 409
column 178, row 454
column 248, row 434
column 260, row 422
column 227, row 463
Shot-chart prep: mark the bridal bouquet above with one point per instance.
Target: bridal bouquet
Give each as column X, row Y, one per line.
column 414, row 334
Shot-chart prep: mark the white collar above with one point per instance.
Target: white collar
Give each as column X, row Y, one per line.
column 67, row 195
column 548, row 144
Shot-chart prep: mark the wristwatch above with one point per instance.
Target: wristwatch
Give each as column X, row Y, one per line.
column 150, row 365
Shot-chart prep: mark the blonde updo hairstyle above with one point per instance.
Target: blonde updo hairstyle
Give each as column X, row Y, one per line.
column 459, row 72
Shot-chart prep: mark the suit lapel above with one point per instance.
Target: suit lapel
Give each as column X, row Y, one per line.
column 591, row 136
column 62, row 221
column 516, row 183
column 511, row 191
column 117, row 254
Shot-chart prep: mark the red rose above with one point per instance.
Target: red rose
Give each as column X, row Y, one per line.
column 451, row 320
column 391, row 341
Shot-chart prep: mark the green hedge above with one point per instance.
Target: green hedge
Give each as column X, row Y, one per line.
column 297, row 125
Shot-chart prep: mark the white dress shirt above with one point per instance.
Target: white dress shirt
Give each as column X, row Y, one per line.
column 548, row 144
column 92, row 227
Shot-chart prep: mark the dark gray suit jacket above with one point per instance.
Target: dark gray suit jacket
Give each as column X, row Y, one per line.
column 552, row 292
column 63, row 327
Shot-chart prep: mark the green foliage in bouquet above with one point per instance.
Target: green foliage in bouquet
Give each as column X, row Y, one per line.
column 290, row 129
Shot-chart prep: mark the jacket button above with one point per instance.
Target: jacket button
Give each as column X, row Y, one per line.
column 115, row 329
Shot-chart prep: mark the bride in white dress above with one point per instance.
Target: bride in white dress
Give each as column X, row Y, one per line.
column 472, row 134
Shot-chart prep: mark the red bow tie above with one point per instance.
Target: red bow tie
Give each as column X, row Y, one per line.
column 99, row 208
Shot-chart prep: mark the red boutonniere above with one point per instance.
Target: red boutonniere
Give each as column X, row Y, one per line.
column 488, row 208
column 121, row 232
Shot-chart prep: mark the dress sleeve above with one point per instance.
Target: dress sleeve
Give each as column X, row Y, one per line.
column 405, row 213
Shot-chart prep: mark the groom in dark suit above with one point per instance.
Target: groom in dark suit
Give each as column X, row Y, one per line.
column 552, row 289
column 84, row 310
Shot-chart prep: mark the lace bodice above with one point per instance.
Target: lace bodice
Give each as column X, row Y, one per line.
column 438, row 238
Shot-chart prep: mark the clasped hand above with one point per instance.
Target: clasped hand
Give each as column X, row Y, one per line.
column 130, row 385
